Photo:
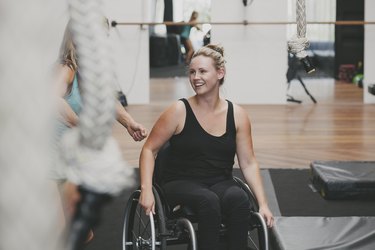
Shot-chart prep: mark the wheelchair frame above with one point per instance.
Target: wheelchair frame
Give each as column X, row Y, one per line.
column 172, row 226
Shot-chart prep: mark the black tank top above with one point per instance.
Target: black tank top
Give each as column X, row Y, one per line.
column 196, row 154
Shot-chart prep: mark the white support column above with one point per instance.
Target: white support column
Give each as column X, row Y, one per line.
column 369, row 52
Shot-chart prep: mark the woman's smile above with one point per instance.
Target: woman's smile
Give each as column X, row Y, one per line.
column 198, row 84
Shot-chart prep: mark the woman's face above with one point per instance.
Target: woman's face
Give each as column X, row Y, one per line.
column 203, row 75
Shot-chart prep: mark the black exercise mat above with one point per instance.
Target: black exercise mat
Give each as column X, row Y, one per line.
column 296, row 198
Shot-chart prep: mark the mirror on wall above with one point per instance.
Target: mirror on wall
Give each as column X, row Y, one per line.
column 172, row 46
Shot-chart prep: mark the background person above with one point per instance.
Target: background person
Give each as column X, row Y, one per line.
column 185, row 36
column 69, row 107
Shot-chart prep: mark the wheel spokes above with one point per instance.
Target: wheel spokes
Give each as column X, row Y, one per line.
column 143, row 231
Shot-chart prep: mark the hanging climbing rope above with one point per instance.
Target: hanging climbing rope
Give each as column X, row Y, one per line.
column 92, row 156
column 90, row 145
column 96, row 72
column 299, row 42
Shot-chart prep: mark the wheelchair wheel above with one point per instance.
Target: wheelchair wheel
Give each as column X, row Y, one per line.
column 262, row 231
column 261, row 239
column 186, row 226
column 141, row 232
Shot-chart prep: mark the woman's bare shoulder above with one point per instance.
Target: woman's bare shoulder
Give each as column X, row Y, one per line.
column 176, row 109
column 66, row 73
column 241, row 116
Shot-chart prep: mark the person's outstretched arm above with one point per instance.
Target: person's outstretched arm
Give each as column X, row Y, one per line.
column 136, row 130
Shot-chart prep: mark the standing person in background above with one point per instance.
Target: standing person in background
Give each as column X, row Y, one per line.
column 205, row 133
column 185, row 36
column 69, row 92
column 69, row 107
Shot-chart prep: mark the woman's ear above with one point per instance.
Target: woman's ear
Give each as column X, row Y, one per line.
column 221, row 73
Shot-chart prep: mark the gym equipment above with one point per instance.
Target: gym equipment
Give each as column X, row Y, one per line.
column 299, row 43
column 344, row 179
column 292, row 74
column 323, row 233
column 92, row 157
column 371, row 89
column 357, row 79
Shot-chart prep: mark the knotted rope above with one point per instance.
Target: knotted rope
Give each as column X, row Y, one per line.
column 299, row 42
column 95, row 71
column 93, row 157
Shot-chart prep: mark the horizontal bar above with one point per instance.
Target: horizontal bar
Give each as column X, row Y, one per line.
column 341, row 23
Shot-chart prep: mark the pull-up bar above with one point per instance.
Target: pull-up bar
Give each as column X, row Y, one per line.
column 339, row 23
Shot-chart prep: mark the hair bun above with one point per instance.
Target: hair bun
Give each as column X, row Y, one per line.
column 217, row 48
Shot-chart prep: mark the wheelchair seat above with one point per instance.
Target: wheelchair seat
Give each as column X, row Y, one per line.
column 174, row 225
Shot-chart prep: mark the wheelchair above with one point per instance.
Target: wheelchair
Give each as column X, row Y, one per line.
column 171, row 226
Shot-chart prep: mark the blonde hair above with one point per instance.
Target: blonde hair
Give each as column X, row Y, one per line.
column 67, row 54
column 216, row 52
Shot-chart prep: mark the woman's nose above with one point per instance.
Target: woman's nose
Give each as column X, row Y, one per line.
column 196, row 75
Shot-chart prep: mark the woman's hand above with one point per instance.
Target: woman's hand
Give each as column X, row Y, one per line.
column 147, row 201
column 136, row 131
column 267, row 215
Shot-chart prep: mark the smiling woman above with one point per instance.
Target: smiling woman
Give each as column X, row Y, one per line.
column 211, row 54
column 205, row 133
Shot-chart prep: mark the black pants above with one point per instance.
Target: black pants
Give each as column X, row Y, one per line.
column 214, row 201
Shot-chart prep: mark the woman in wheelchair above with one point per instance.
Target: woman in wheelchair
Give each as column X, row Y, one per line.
column 205, row 132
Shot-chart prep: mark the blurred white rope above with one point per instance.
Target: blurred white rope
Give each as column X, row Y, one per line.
column 299, row 42
column 92, row 156
column 95, row 71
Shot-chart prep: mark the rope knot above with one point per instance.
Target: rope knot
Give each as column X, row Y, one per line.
column 102, row 171
column 297, row 46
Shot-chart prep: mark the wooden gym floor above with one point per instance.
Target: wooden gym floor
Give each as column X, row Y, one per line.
column 338, row 127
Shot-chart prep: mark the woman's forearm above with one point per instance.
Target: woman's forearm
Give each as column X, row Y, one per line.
column 123, row 116
column 146, row 168
column 69, row 117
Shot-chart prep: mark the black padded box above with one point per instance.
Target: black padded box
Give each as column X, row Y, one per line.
column 344, row 179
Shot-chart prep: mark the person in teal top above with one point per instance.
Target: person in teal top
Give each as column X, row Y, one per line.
column 74, row 97
column 185, row 36
column 69, row 91
column 69, row 107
